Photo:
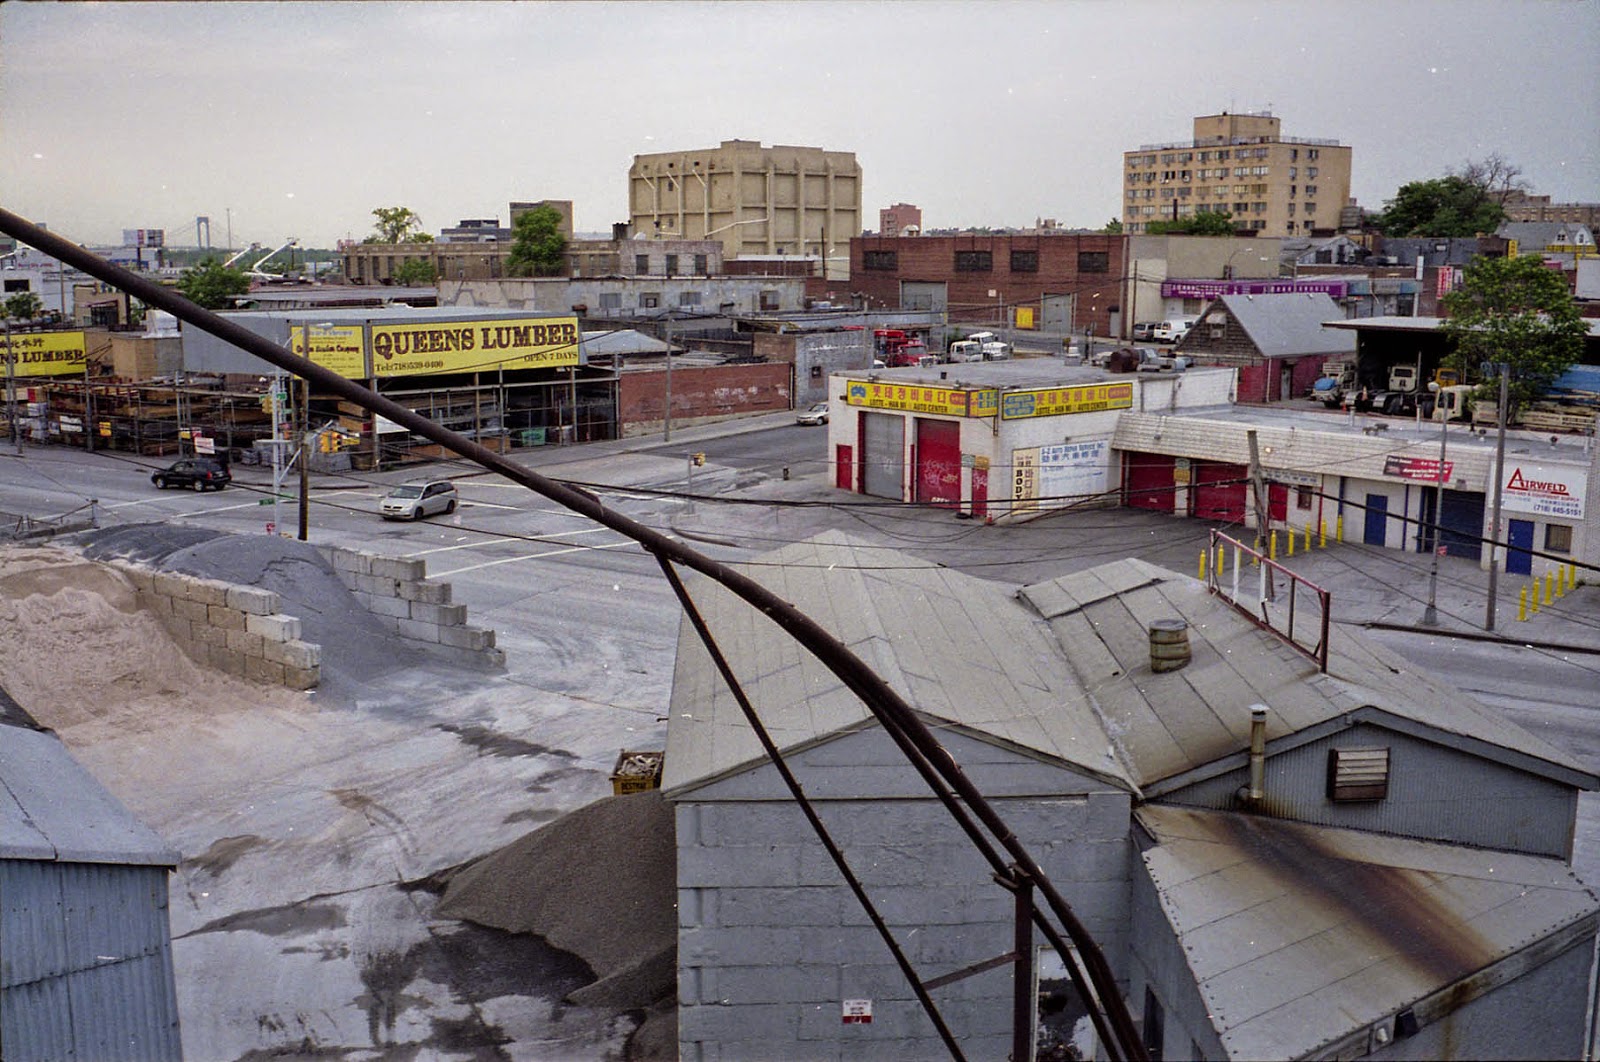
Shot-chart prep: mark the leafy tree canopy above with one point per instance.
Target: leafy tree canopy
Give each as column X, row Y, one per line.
column 1113, row 227
column 538, row 249
column 1207, row 223
column 1465, row 202
column 398, row 225
column 211, row 284
column 24, row 306
column 413, row 272
column 1516, row 311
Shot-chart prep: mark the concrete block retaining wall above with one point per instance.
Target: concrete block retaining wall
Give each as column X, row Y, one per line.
column 236, row 629
column 398, row 594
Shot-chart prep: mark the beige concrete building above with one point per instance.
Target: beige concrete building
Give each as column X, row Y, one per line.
column 1240, row 164
column 781, row 200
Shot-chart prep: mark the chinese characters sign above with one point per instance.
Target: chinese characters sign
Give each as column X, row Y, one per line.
column 914, row 398
column 47, row 353
column 1055, row 401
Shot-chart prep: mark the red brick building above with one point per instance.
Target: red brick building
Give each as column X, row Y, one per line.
column 1056, row 282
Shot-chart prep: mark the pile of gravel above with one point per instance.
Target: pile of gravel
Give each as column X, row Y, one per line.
column 600, row 883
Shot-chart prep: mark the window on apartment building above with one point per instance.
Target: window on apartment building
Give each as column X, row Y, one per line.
column 641, row 264
column 1094, row 261
column 1294, row 154
column 1311, row 190
column 1291, row 210
column 1183, row 193
column 974, row 261
column 688, row 298
column 649, row 300
column 1185, row 175
column 1166, row 160
column 1024, row 261
column 1294, row 190
column 1311, row 208
column 611, row 300
column 1259, row 208
column 1222, row 156
column 1205, row 156
column 769, row 299
column 1294, row 172
column 1240, row 208
column 885, row 260
column 672, row 265
column 702, row 264
column 1311, row 171
column 1558, row 538
column 1166, row 193
column 1312, row 153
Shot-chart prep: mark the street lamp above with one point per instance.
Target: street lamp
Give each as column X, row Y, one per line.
column 1430, row 615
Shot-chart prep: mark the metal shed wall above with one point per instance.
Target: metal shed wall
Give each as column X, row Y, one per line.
column 1156, row 961
column 771, row 942
column 1435, row 793
column 86, row 962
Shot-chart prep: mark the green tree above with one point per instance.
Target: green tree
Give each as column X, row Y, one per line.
column 1112, row 227
column 1206, row 223
column 413, row 272
column 398, row 225
column 24, row 306
column 212, row 284
column 538, row 249
column 1516, row 311
column 1464, row 202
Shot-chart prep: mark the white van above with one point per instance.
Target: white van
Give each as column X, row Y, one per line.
column 1174, row 329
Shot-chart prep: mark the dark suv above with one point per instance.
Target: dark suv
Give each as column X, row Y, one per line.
column 201, row 473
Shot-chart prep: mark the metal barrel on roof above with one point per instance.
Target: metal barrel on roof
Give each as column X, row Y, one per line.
column 1169, row 644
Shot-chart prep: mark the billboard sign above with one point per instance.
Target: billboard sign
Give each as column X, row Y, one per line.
column 474, row 346
column 336, row 348
column 47, row 353
column 1210, row 289
column 914, row 398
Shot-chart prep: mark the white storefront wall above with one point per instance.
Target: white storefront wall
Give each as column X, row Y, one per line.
column 1354, row 471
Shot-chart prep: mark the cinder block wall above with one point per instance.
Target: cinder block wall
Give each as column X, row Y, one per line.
column 397, row 592
column 236, row 629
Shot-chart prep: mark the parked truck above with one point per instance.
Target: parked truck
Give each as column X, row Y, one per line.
column 1337, row 385
column 895, row 347
column 979, row 346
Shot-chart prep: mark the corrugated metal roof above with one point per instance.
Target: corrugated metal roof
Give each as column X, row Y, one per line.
column 1170, row 723
column 53, row 809
column 961, row 650
column 1290, row 325
column 1300, row 935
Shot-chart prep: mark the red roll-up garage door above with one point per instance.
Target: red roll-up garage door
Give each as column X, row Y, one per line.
column 1220, row 491
column 1148, row 481
column 939, row 462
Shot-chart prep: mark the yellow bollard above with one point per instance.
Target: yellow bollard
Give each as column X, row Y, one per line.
column 1203, row 555
column 1522, row 606
column 1338, row 528
column 1322, row 534
column 1561, row 581
column 1291, row 541
column 1221, row 566
column 1572, row 577
column 1535, row 588
column 1272, row 545
column 1308, row 538
column 1549, row 582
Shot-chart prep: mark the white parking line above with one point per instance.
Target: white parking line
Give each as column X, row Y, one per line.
column 493, row 541
column 531, row 556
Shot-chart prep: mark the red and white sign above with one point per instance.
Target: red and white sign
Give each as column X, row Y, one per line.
column 1545, row 490
column 204, row 445
column 858, row 1012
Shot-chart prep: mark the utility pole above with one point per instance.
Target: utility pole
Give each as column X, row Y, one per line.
column 1430, row 615
column 11, row 391
column 1258, row 485
column 1499, row 480
column 305, row 449
column 666, row 433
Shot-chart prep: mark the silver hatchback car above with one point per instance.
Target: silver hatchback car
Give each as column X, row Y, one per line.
column 413, row 501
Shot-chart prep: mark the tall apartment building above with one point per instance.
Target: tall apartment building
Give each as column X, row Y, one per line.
column 902, row 219
column 1520, row 206
column 1240, row 164
column 781, row 200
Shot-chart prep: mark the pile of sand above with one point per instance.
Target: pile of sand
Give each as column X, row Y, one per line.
column 599, row 883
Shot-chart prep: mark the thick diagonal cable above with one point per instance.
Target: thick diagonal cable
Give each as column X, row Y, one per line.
column 929, row 775
column 796, row 790
column 878, row 696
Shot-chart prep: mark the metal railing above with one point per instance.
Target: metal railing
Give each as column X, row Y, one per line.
column 1256, row 596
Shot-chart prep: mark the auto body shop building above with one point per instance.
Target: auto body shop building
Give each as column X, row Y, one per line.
column 1013, row 440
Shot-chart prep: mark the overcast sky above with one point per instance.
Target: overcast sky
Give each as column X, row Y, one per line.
column 297, row 119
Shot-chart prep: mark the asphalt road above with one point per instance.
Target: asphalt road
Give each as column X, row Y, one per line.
column 436, row 767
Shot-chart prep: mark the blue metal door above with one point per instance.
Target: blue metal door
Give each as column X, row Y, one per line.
column 1376, row 532
column 1518, row 560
